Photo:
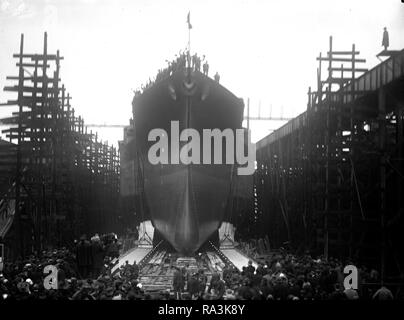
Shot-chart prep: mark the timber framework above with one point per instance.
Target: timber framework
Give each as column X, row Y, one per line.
column 57, row 179
column 331, row 179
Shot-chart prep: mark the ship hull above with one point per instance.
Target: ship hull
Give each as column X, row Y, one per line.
column 186, row 203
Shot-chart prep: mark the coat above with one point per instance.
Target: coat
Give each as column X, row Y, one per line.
column 97, row 254
column 178, row 281
column 84, row 253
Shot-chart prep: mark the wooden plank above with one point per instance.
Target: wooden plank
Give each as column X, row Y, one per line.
column 40, row 79
column 38, row 56
column 349, row 69
column 343, row 52
column 31, row 65
column 31, row 89
column 336, row 80
column 341, row 59
column 9, row 103
column 356, row 92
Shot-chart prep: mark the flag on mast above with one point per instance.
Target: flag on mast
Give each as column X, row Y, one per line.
column 189, row 20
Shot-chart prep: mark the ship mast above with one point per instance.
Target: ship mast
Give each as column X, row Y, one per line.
column 189, row 38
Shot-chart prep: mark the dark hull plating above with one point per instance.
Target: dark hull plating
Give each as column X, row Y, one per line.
column 186, row 203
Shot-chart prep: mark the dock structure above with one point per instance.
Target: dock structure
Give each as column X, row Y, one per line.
column 331, row 179
column 63, row 180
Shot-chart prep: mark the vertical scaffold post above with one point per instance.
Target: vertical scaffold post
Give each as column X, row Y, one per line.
column 19, row 142
column 382, row 139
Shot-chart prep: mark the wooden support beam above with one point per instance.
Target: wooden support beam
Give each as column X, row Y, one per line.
column 344, row 52
column 39, row 57
column 349, row 69
column 382, row 142
column 9, row 103
column 341, row 59
column 35, row 79
column 31, row 65
column 27, row 89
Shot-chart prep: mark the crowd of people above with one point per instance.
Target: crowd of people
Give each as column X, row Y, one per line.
column 284, row 276
column 86, row 274
column 82, row 273
column 288, row 277
column 91, row 255
column 180, row 62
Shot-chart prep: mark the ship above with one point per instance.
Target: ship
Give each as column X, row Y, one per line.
column 186, row 203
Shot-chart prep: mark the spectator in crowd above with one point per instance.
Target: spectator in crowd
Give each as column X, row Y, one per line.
column 194, row 61
column 383, row 294
column 202, row 279
column 180, row 62
column 98, row 255
column 206, row 68
column 250, row 267
column 178, row 283
column 213, row 281
column 218, row 288
column 193, row 286
column 84, row 257
column 187, row 273
column 113, row 249
column 198, row 64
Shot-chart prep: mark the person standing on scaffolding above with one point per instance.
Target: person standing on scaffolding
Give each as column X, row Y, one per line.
column 385, row 42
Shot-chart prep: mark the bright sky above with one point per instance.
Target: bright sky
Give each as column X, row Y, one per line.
column 262, row 49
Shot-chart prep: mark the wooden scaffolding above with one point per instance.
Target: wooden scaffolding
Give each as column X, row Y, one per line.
column 64, row 180
column 331, row 179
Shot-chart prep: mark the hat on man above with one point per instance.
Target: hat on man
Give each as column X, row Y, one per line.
column 351, row 294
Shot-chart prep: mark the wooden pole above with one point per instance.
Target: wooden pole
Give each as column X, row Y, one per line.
column 19, row 142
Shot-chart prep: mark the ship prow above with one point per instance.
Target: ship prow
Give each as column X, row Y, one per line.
column 186, row 202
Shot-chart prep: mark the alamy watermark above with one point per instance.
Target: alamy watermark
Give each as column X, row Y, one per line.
column 351, row 280
column 51, row 279
column 190, row 153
